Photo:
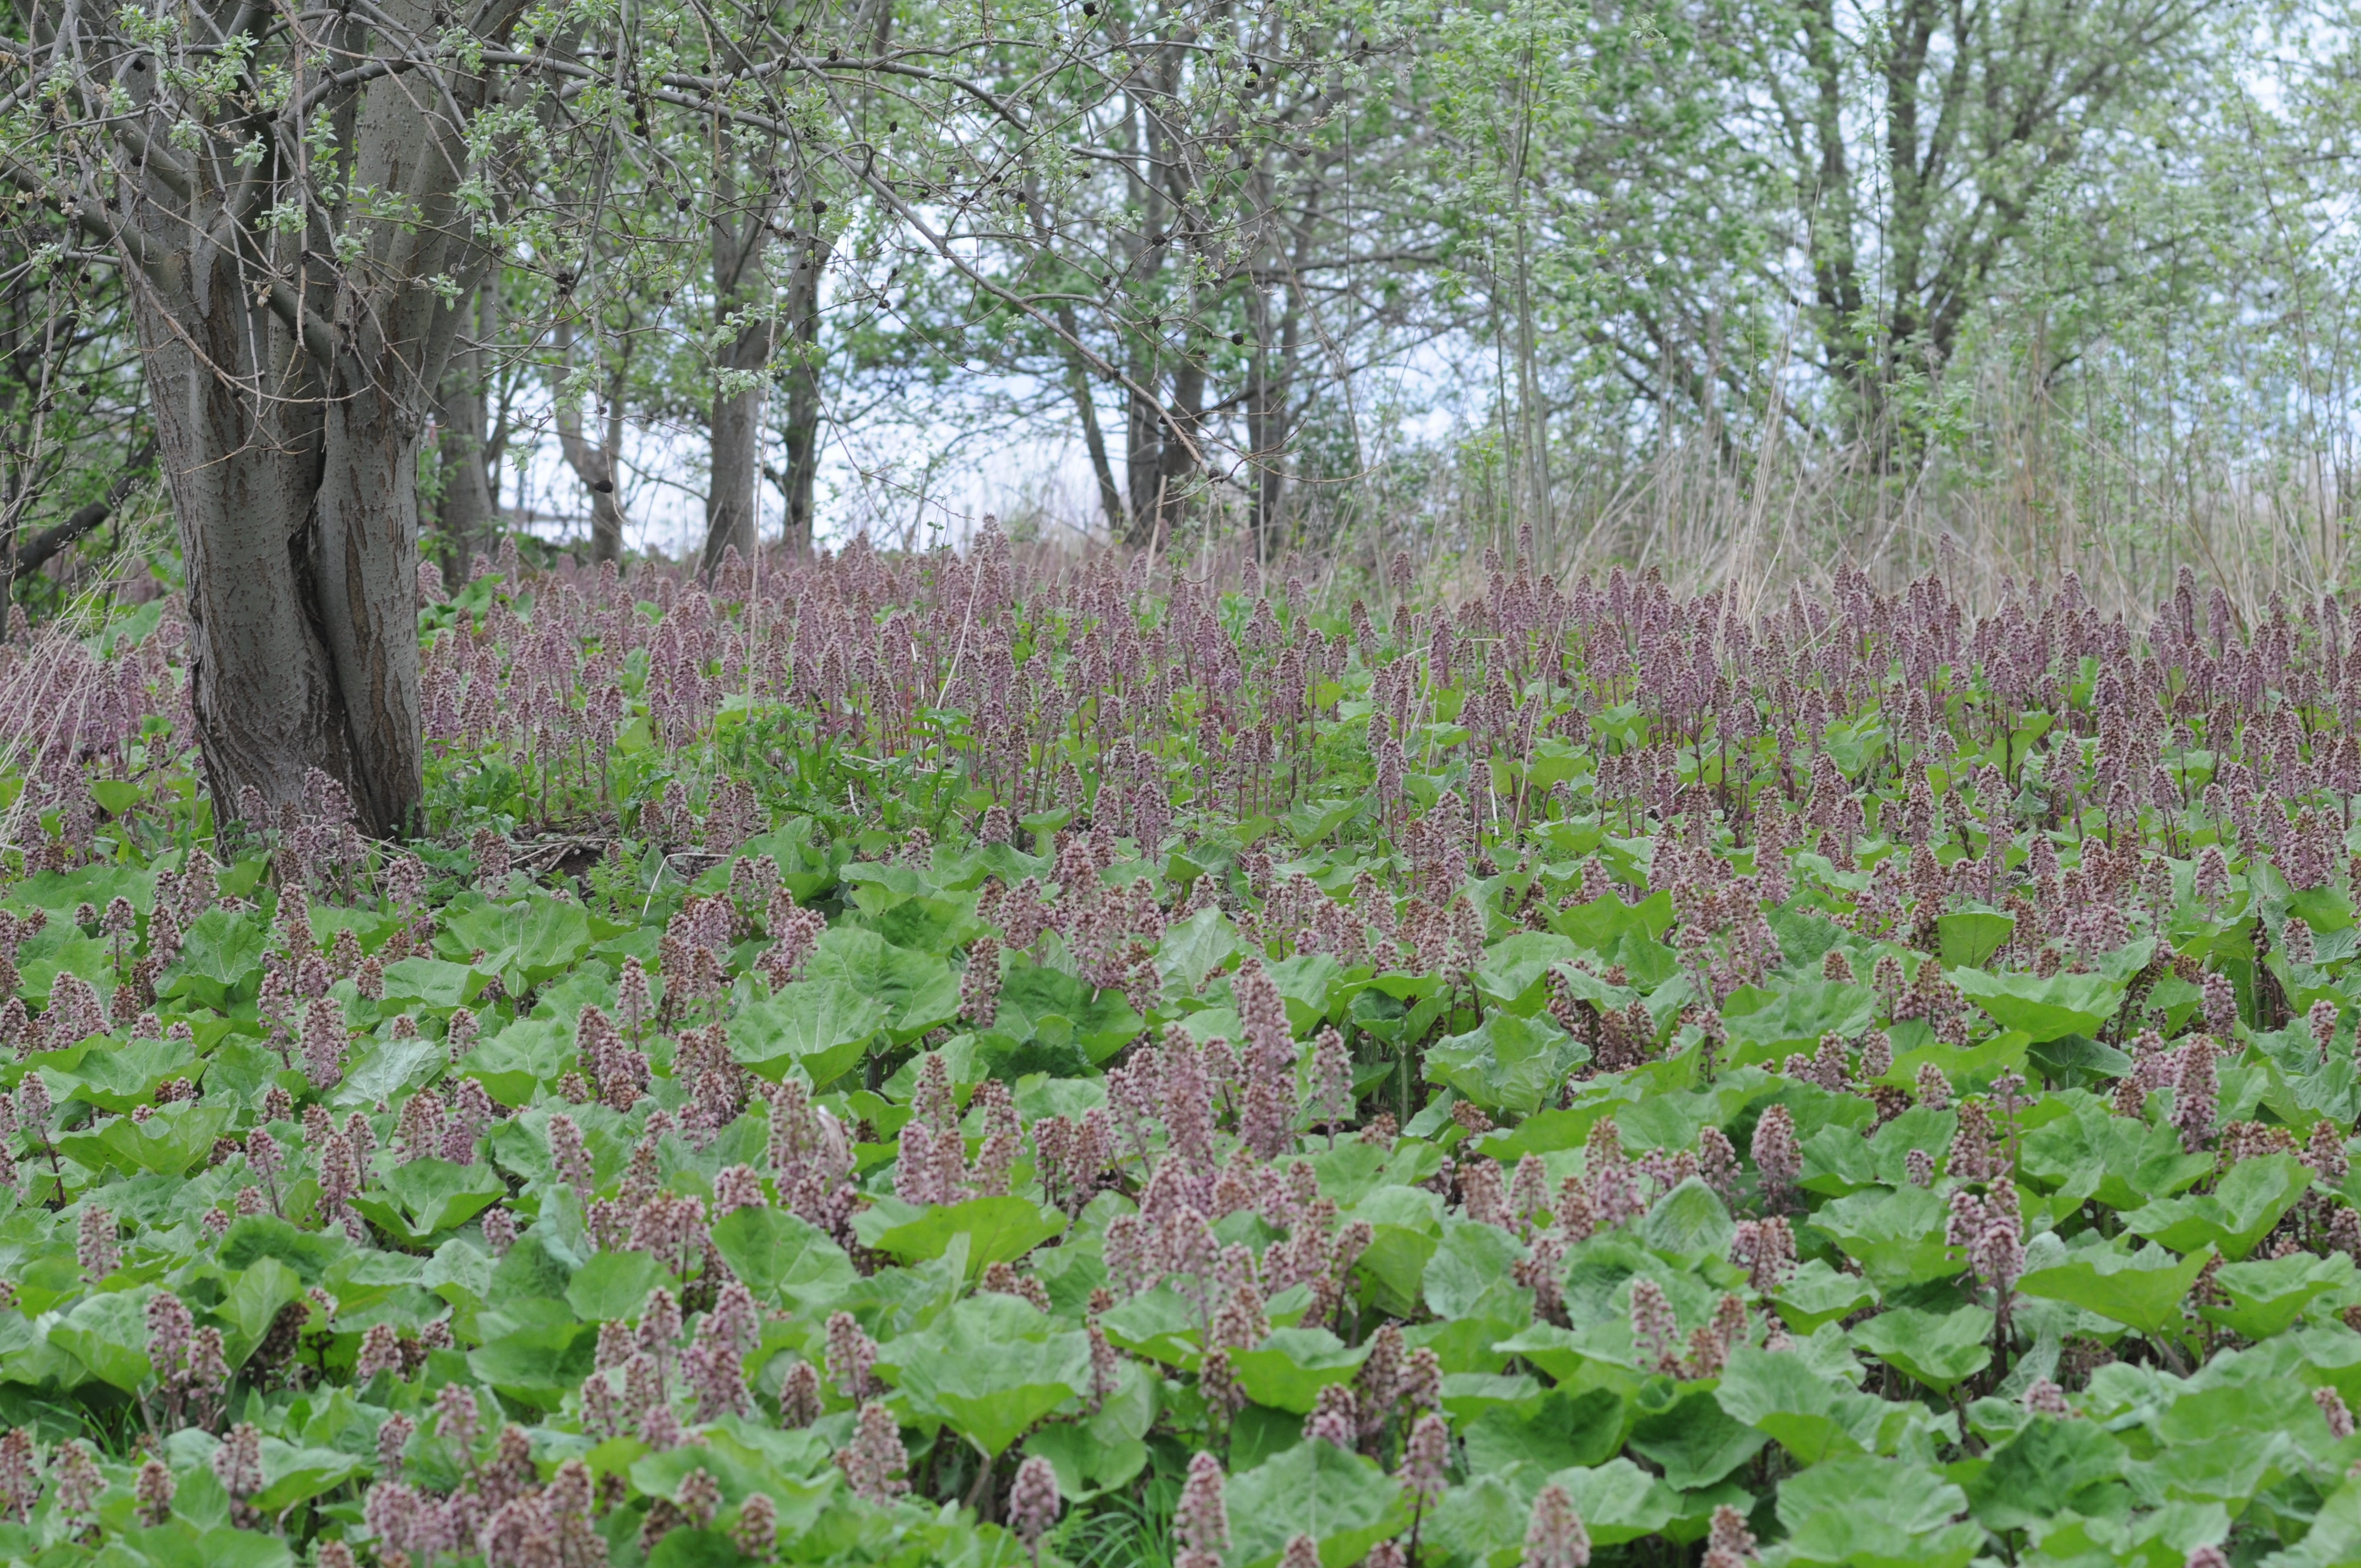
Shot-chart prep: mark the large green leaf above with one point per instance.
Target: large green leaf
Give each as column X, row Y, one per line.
column 1938, row 1349
column 1031, row 994
column 420, row 1199
column 1800, row 1013
column 781, row 1257
column 537, row 1365
column 1288, row 1370
column 613, row 1286
column 1557, row 1431
column 1617, row 1501
column 2141, row 1291
column 1506, row 1063
column 168, row 1142
column 2034, row 1475
column 1514, row 974
column 2122, row 1162
column 515, row 1063
column 1876, row 1513
column 2268, row 1295
column 1970, row 937
column 822, row 1026
column 1896, row 1235
column 999, row 1230
column 917, row 990
column 1344, row 1502
column 1694, row 1443
column 1811, row 1416
column 107, row 1333
column 221, row 952
column 992, row 1368
column 2044, row 1009
column 2232, row 1218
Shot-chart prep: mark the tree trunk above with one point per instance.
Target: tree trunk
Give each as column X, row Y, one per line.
column 468, row 519
column 738, row 290
column 803, row 416
column 290, row 398
column 595, row 466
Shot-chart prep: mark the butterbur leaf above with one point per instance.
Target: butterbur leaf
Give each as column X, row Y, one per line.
column 1288, row 1370
column 2268, row 1295
column 823, row 1028
column 1559, row 1430
column 613, row 1286
column 917, row 990
column 1506, row 1063
column 1343, row 1501
column 782, row 1257
column 999, row 1230
column 2036, row 1473
column 992, row 1369
column 2231, row 1219
column 1816, row 1294
column 168, row 1142
column 2141, row 1291
column 1086, row 1467
column 1878, row 1513
column 420, row 1199
column 1617, row 1501
column 107, row 1333
column 1970, row 937
column 1896, row 1235
column 1938, row 1349
column 1694, row 1443
column 2044, row 1009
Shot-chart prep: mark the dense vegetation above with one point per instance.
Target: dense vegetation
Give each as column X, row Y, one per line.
column 923, row 1060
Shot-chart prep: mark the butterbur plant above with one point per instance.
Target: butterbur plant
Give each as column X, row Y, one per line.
column 1054, row 1057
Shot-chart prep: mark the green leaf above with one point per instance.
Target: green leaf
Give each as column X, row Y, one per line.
column 1344, row 1502
column 1195, row 947
column 1689, row 1223
column 257, row 1291
column 1970, row 937
column 2044, row 1009
column 823, row 1027
column 783, row 1258
column 1469, row 1275
column 2122, row 1162
column 1556, row 1431
column 1514, row 974
column 2268, row 1295
column 2034, row 1475
column 1617, row 1501
column 1800, row 1014
column 992, row 1367
column 1086, row 1467
column 1816, row 1294
column 917, row 990
column 1288, row 1370
column 1100, row 1022
column 1938, row 1349
column 168, row 1142
column 1875, row 1513
column 2141, row 1291
column 390, row 1072
column 1694, row 1443
column 514, row 1063
column 221, row 952
column 538, row 1365
column 2232, row 1218
column 999, row 1230
column 1506, row 1063
column 422, row 1198
column 1896, row 1237
column 108, row 1333
column 433, row 985
column 1812, row 1417
column 613, row 1286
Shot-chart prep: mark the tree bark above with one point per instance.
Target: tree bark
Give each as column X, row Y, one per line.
column 803, row 412
column 595, row 466
column 737, row 288
column 292, row 394
column 469, row 516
